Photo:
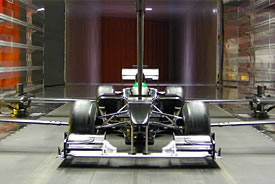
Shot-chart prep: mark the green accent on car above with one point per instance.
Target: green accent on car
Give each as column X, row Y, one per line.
column 143, row 85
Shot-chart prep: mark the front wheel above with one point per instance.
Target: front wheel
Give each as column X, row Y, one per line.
column 83, row 117
column 196, row 119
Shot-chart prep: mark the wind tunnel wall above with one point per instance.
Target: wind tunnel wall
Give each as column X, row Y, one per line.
column 181, row 42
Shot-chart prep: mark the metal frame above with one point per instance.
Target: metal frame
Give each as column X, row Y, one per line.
column 242, row 123
column 20, row 22
column 31, row 5
column 36, row 122
column 26, row 28
column 19, row 45
column 260, row 47
column 20, row 69
column 250, row 25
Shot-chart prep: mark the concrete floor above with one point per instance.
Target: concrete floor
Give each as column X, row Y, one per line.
column 29, row 156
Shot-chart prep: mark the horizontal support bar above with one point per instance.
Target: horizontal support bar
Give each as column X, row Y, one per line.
column 60, row 123
column 37, row 122
column 31, row 5
column 222, row 101
column 261, row 47
column 19, row 45
column 20, row 22
column 265, row 100
column 255, row 70
column 260, row 3
column 20, row 69
column 257, row 6
column 242, row 123
column 259, row 25
column 55, row 100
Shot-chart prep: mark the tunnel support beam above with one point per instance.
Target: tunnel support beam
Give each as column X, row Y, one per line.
column 140, row 42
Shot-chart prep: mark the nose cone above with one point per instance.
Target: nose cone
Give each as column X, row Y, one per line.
column 139, row 112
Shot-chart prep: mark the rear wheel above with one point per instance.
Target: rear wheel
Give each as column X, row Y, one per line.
column 196, row 119
column 104, row 89
column 83, row 117
column 175, row 90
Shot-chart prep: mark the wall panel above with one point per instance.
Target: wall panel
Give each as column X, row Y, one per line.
column 181, row 42
column 83, row 44
column 249, row 45
column 119, row 47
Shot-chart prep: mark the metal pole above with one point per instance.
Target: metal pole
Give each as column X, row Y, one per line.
column 132, row 139
column 55, row 100
column 221, row 43
column 140, row 42
column 261, row 91
column 146, row 139
column 19, row 88
column 223, row 101
column 37, row 122
column 242, row 123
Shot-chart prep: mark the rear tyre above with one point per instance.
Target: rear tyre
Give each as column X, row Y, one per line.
column 175, row 90
column 104, row 89
column 196, row 119
column 83, row 117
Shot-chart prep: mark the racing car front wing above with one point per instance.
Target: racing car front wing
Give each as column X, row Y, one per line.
column 96, row 146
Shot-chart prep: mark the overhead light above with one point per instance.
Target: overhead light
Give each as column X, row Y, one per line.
column 215, row 10
column 148, row 9
column 40, row 9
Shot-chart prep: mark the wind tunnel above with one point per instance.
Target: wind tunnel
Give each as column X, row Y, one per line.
column 180, row 39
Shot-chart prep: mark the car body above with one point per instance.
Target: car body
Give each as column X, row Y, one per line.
column 139, row 119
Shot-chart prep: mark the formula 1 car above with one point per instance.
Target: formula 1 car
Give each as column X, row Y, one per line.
column 139, row 118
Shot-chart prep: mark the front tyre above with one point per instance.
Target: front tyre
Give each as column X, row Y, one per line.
column 196, row 119
column 83, row 117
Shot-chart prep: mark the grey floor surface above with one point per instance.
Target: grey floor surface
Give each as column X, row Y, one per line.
column 29, row 156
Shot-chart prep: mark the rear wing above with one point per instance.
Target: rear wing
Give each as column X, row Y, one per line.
column 130, row 74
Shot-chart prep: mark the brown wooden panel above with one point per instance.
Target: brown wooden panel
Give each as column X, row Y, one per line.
column 119, row 48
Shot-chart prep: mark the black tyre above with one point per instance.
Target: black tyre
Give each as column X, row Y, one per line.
column 83, row 117
column 196, row 119
column 175, row 90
